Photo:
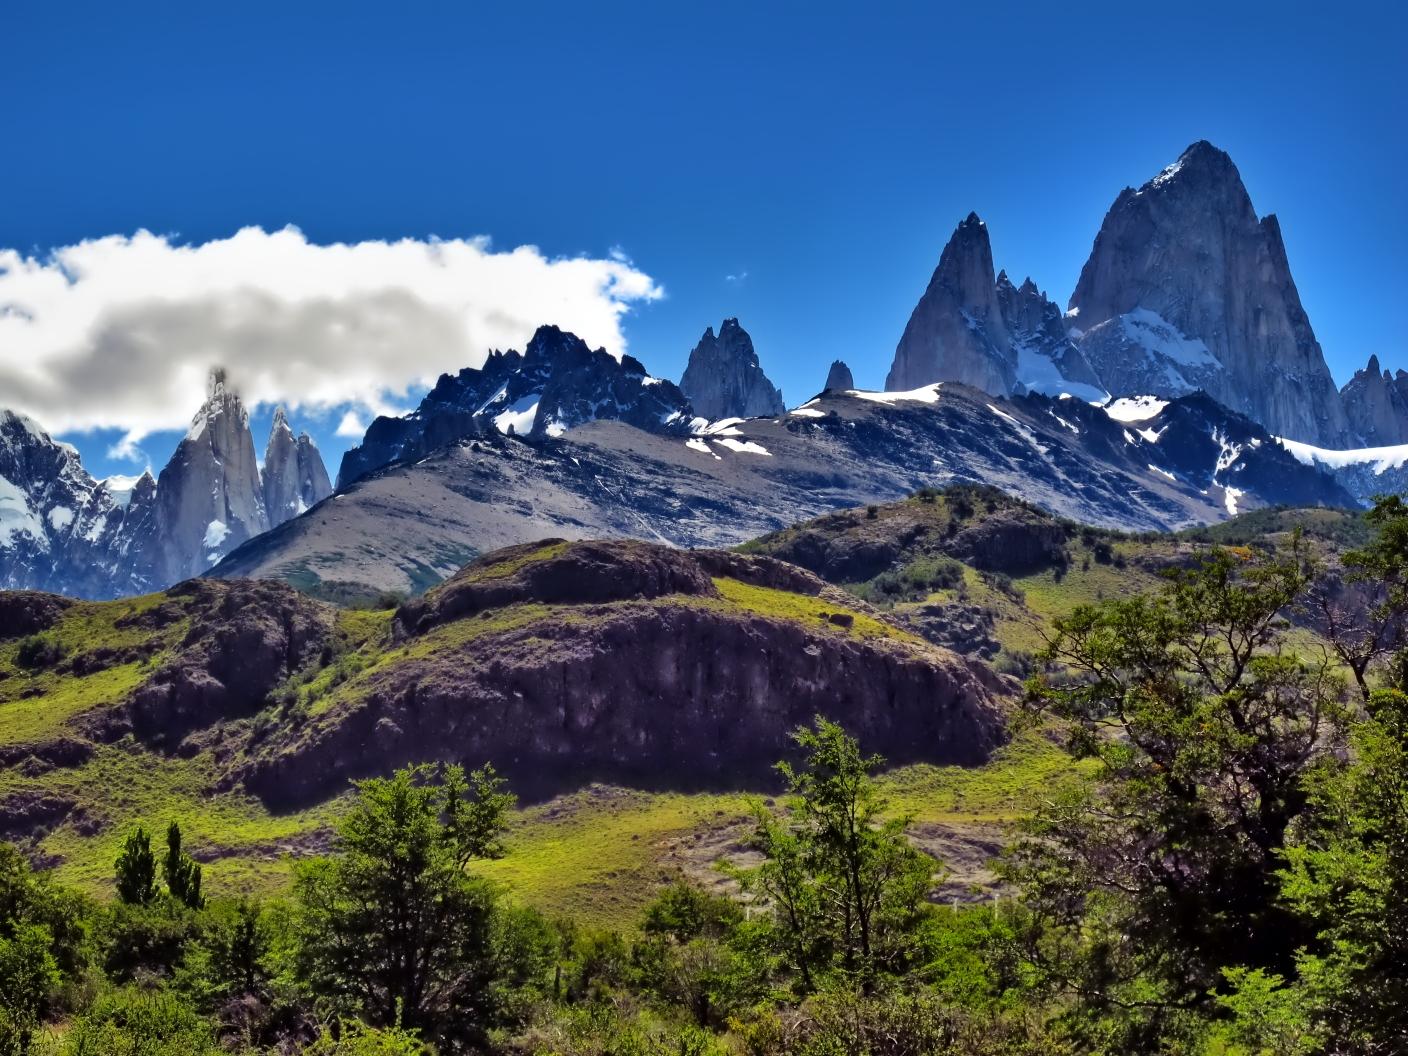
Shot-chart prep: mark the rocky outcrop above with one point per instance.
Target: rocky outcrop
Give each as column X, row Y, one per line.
column 208, row 497
column 838, row 378
column 555, row 573
column 25, row 612
column 682, row 688
column 1376, row 404
column 293, row 478
column 244, row 639
column 1044, row 357
column 557, row 384
column 723, row 378
column 980, row 330
column 956, row 332
column 1186, row 288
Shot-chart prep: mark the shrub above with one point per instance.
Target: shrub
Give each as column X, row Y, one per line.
column 39, row 651
column 130, row 1022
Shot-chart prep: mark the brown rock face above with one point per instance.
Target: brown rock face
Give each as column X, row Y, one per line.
column 245, row 638
column 553, row 572
column 1186, row 288
column 25, row 612
column 681, row 689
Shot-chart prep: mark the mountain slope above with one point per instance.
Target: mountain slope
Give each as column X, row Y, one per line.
column 246, row 707
column 409, row 525
column 673, row 675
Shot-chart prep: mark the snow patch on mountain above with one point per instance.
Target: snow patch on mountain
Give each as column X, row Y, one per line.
column 1377, row 459
column 16, row 516
column 924, row 394
column 743, row 446
column 520, row 415
column 1135, row 408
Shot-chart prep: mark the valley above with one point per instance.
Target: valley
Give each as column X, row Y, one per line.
column 131, row 719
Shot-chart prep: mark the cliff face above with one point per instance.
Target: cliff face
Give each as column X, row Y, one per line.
column 1376, row 404
column 209, row 498
column 294, row 478
column 976, row 329
column 723, row 378
column 838, row 378
column 634, row 661
column 1186, row 288
column 956, row 332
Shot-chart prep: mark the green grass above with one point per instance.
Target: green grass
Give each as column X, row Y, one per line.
column 122, row 786
column 1021, row 773
column 30, row 720
column 508, row 566
column 600, row 854
column 803, row 608
column 38, row 705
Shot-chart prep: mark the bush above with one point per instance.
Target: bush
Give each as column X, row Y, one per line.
column 1016, row 662
column 1004, row 585
column 358, row 1039
column 131, row 1022
column 39, row 651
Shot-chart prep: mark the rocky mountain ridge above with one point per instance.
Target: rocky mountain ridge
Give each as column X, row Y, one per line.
column 1138, row 465
column 63, row 531
column 723, row 378
column 293, row 478
column 1376, row 403
column 555, row 384
column 1185, row 288
column 975, row 327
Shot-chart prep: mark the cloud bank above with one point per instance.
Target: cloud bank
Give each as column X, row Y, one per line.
column 120, row 332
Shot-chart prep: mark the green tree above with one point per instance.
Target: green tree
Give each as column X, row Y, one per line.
column 136, row 869
column 28, row 973
column 1350, row 876
column 392, row 926
column 846, row 887
column 1364, row 611
column 691, row 954
column 1201, row 721
column 181, row 871
column 43, row 940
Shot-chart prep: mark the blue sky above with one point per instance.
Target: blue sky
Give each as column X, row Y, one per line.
column 796, row 165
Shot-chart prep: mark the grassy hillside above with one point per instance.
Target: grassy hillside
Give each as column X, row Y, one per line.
column 76, row 778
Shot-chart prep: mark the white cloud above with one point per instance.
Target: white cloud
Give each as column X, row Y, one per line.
column 737, row 280
column 120, row 332
column 352, row 426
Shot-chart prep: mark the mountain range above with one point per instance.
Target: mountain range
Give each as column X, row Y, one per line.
column 63, row 531
column 1181, row 385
